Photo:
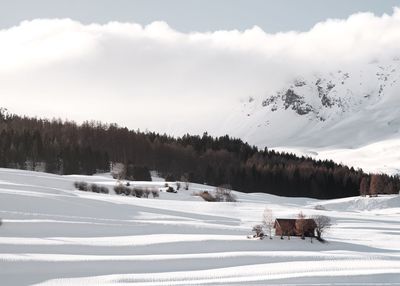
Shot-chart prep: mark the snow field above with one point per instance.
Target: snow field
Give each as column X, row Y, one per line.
column 55, row 235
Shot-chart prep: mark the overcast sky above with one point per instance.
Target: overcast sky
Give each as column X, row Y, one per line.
column 194, row 15
column 145, row 70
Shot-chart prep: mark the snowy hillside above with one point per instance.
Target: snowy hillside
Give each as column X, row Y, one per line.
column 383, row 156
column 329, row 113
column 55, row 235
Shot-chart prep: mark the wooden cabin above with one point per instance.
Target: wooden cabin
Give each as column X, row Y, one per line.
column 290, row 227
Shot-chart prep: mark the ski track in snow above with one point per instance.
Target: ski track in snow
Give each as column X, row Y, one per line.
column 55, row 235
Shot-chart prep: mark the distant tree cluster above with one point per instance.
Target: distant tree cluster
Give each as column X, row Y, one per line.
column 378, row 184
column 64, row 147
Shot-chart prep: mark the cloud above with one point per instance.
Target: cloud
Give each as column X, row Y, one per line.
column 158, row 78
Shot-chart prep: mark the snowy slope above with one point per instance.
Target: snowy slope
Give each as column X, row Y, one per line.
column 383, row 156
column 55, row 235
column 332, row 113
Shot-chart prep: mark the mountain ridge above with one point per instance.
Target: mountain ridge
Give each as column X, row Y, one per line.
column 345, row 109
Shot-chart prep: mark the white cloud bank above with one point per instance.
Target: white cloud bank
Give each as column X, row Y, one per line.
column 157, row 78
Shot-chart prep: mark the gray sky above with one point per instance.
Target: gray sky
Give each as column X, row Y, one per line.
column 194, row 15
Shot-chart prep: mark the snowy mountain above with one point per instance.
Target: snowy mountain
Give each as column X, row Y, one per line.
column 323, row 114
column 53, row 234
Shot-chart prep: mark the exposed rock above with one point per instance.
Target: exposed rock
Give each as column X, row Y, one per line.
column 296, row 103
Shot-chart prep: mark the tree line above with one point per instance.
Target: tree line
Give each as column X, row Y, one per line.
column 64, row 147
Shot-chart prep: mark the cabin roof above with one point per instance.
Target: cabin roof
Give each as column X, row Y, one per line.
column 290, row 223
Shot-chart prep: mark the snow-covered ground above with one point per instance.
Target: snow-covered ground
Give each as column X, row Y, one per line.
column 54, row 235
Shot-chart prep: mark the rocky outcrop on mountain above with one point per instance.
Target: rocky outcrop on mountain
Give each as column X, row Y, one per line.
column 323, row 95
column 348, row 107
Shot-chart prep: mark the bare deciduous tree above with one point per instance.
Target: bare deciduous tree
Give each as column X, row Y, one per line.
column 376, row 186
column 364, row 186
column 224, row 194
column 185, row 182
column 322, row 224
column 301, row 224
column 268, row 221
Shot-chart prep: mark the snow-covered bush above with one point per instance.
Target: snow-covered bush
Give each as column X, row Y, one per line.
column 81, row 186
column 319, row 208
column 137, row 192
column 104, row 190
column 94, row 188
column 171, row 190
column 224, row 194
column 258, row 230
column 220, row 195
column 122, row 190
column 146, row 193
